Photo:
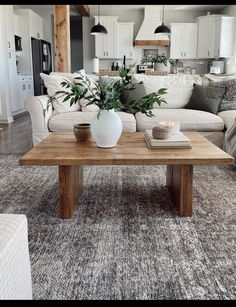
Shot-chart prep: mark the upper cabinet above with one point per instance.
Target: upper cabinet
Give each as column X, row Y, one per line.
column 119, row 40
column 16, row 27
column 105, row 45
column 30, row 25
column 10, row 26
column 206, row 32
column 125, row 40
column 35, row 25
column 183, row 41
column 224, row 36
column 215, row 36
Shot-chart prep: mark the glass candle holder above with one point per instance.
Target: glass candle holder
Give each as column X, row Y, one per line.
column 172, row 125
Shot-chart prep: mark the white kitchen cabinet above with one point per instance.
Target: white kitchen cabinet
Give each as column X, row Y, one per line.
column 224, row 36
column 10, row 26
column 124, row 40
column 30, row 25
column 183, row 41
column 105, row 45
column 206, row 36
column 35, row 25
column 24, row 89
column 16, row 27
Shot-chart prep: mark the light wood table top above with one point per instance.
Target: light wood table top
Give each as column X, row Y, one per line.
column 62, row 149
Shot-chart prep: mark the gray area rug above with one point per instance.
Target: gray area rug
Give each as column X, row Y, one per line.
column 125, row 240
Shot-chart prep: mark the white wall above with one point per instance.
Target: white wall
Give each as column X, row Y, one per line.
column 129, row 15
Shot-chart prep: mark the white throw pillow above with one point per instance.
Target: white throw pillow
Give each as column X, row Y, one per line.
column 84, row 101
column 53, row 85
column 179, row 88
column 67, row 75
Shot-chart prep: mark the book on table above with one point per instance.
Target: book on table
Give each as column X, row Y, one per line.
column 178, row 140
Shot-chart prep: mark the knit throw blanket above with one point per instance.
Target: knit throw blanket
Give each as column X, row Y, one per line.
column 230, row 140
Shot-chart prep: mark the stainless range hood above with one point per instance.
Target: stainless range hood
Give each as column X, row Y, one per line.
column 146, row 36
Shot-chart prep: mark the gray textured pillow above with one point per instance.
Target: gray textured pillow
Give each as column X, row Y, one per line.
column 134, row 94
column 205, row 98
column 229, row 99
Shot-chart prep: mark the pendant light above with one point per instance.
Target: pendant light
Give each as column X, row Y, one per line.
column 162, row 28
column 98, row 28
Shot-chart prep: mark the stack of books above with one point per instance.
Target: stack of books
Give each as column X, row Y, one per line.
column 178, row 140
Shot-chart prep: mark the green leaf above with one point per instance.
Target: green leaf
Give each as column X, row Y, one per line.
column 66, row 98
column 72, row 101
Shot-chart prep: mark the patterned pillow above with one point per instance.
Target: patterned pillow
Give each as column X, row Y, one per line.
column 229, row 99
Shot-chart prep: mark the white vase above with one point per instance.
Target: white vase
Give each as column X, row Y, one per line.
column 106, row 130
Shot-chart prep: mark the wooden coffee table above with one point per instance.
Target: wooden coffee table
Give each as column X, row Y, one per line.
column 62, row 150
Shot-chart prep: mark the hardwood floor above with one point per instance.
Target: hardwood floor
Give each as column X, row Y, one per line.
column 17, row 136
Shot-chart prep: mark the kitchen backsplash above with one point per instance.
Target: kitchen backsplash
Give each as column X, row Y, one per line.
column 202, row 66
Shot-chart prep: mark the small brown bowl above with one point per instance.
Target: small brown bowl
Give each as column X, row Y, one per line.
column 82, row 132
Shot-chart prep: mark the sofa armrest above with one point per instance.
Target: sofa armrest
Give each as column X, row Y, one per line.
column 35, row 106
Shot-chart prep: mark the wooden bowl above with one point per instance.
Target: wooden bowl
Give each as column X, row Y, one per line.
column 82, row 132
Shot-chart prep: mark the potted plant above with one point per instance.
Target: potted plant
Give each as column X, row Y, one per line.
column 160, row 62
column 106, row 126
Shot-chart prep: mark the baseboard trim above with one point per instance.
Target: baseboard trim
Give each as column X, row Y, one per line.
column 19, row 114
column 6, row 120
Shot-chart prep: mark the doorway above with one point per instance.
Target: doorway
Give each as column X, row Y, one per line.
column 76, row 39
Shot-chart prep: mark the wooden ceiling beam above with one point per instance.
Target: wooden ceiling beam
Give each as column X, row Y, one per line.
column 83, row 10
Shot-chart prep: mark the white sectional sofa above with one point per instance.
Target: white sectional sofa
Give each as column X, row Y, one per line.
column 179, row 90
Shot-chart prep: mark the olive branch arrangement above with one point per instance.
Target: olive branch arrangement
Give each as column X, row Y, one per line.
column 107, row 95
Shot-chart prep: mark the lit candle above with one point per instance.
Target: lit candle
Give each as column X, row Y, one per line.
column 174, row 126
column 167, row 123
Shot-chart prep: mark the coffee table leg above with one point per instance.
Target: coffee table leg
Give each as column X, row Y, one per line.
column 179, row 180
column 80, row 173
column 70, row 188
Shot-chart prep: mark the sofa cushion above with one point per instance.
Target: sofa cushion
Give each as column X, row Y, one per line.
column 192, row 120
column 179, row 88
column 53, row 85
column 64, row 122
column 205, row 98
column 228, row 117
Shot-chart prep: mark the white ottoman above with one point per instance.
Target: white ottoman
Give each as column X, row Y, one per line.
column 15, row 270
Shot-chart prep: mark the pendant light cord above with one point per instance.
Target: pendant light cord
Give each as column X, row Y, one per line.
column 98, row 14
column 163, row 15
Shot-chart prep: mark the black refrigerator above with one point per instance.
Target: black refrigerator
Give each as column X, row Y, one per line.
column 42, row 62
